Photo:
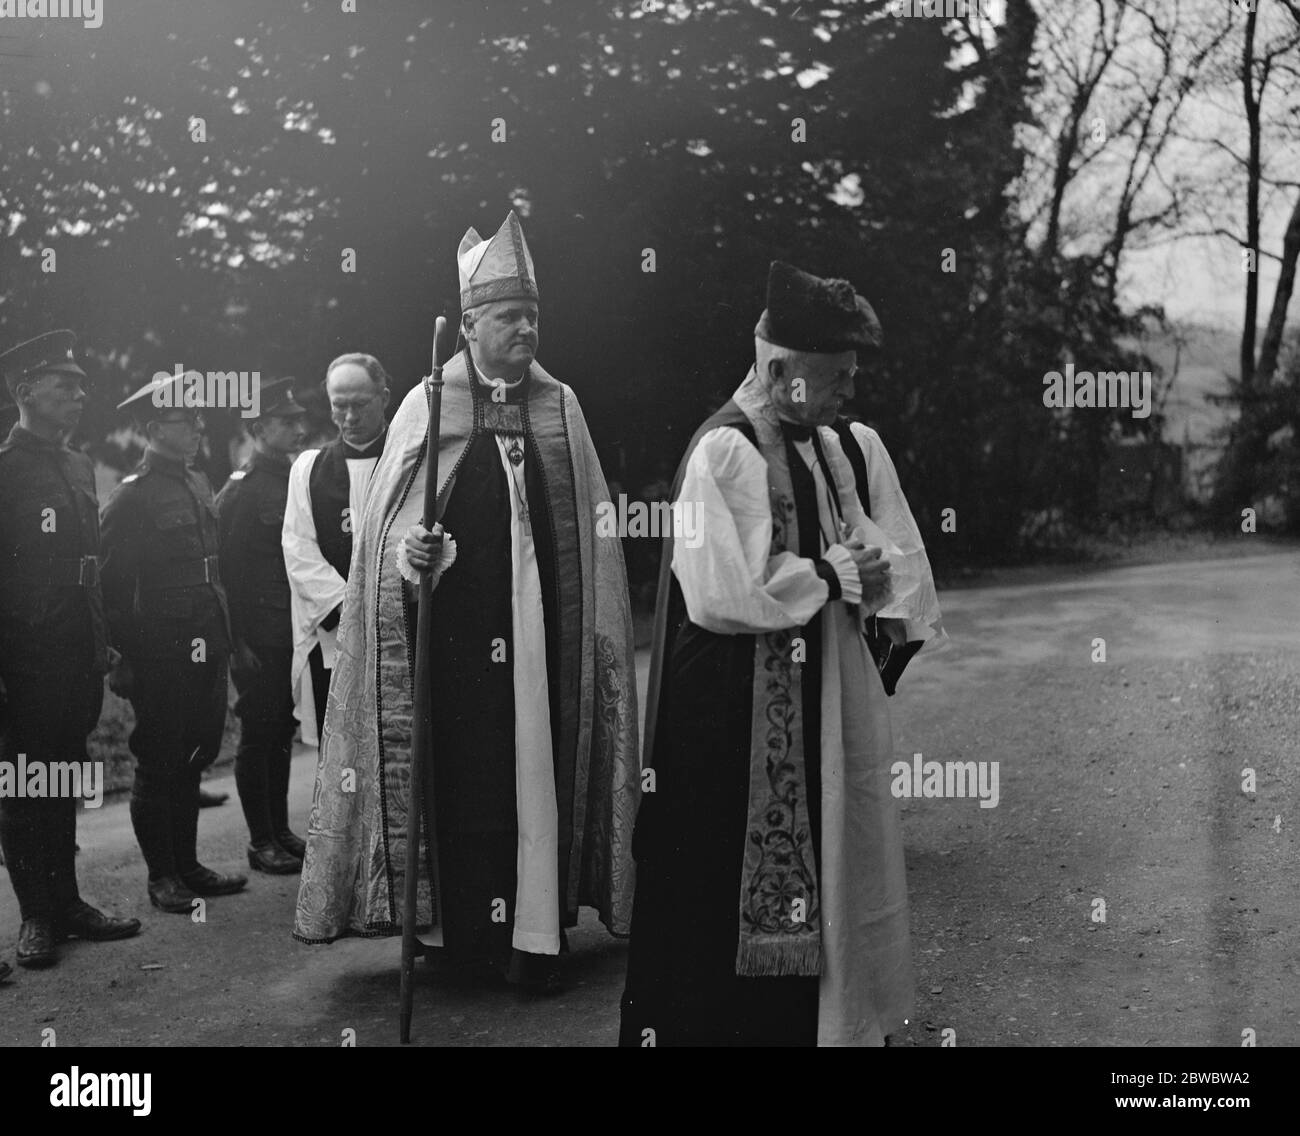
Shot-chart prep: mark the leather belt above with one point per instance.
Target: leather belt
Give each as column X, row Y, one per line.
column 179, row 574
column 57, row 571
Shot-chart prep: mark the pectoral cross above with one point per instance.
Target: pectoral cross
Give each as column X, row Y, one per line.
column 515, row 452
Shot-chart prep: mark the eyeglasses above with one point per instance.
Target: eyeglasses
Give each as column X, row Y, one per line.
column 343, row 409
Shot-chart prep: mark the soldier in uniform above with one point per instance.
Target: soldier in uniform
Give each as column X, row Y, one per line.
column 167, row 610
column 250, row 513
column 54, row 647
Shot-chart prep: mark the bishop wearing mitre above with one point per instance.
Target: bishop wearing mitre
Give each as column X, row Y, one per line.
column 534, row 764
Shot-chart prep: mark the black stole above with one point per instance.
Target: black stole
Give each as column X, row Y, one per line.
column 329, row 486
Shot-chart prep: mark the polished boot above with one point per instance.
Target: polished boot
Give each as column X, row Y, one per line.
column 273, row 859
column 36, row 943
column 204, row 881
column 85, row 922
column 185, row 827
column 209, row 800
column 152, row 820
column 5, row 970
column 296, row 846
column 170, row 894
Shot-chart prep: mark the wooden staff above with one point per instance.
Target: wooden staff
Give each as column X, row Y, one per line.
column 422, row 721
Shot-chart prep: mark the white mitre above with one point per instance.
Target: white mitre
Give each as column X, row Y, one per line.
column 499, row 269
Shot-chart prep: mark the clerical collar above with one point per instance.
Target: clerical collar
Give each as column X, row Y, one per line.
column 371, row 448
column 507, row 383
column 513, row 391
column 796, row 431
column 510, row 391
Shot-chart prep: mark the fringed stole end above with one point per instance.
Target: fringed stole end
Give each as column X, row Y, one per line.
column 774, row 958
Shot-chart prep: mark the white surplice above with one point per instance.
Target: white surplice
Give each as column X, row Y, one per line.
column 733, row 585
column 315, row 587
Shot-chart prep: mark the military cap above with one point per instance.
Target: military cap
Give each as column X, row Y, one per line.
column 808, row 313
column 278, row 400
column 165, row 392
column 50, row 353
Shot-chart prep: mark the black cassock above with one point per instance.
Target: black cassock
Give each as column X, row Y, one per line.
column 690, row 833
column 474, row 712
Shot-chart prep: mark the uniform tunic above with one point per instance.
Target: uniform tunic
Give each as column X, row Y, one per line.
column 167, row 611
column 53, row 639
column 250, row 511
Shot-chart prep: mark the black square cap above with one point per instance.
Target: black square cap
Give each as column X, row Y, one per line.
column 810, row 313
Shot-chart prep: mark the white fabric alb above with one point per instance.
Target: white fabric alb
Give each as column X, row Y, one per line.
column 315, row 587
column 731, row 583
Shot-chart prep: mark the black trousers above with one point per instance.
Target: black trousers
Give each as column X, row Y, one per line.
column 48, row 719
column 320, row 685
column 266, row 727
column 180, row 714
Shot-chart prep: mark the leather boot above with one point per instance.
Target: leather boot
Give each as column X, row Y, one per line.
column 85, row 922
column 277, row 791
column 204, row 881
column 36, row 944
column 5, row 970
column 209, row 800
column 170, row 894
column 296, row 846
column 185, row 828
column 152, row 821
column 273, row 860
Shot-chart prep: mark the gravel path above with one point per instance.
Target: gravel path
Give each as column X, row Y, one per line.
column 1119, row 781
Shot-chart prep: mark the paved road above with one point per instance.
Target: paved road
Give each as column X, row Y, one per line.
column 1121, row 782
column 1118, row 781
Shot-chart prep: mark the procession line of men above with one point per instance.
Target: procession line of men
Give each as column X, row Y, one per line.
column 761, row 876
column 169, row 593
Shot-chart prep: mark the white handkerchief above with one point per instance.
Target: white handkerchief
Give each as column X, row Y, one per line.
column 904, row 580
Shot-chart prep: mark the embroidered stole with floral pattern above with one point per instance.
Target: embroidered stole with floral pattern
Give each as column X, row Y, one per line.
column 780, row 919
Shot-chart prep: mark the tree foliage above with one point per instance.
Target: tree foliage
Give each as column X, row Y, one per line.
column 717, row 135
